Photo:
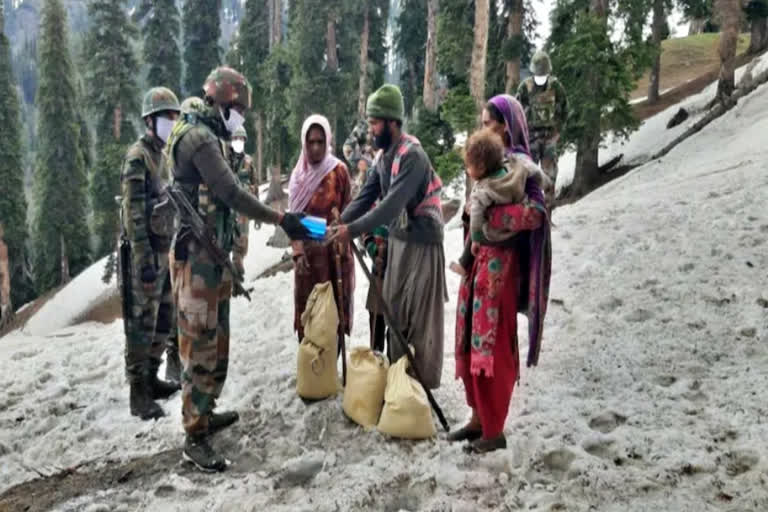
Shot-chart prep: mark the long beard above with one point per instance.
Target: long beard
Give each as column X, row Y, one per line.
column 383, row 141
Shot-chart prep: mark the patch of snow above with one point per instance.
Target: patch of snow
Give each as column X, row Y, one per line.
column 653, row 134
column 84, row 291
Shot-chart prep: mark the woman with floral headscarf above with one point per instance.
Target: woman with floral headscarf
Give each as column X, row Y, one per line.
column 319, row 183
column 507, row 277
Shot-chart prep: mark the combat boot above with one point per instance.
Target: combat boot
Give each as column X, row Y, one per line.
column 198, row 451
column 141, row 402
column 172, row 364
column 221, row 421
column 160, row 389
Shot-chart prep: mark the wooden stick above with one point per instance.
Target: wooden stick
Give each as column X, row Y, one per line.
column 338, row 250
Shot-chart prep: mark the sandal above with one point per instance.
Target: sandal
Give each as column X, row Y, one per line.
column 487, row 445
column 465, row 434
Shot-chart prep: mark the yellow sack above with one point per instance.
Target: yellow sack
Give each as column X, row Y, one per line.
column 366, row 381
column 406, row 411
column 316, row 375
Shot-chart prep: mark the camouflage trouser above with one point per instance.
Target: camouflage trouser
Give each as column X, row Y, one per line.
column 151, row 327
column 544, row 153
column 202, row 290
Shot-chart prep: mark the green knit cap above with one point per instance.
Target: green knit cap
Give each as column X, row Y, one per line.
column 386, row 103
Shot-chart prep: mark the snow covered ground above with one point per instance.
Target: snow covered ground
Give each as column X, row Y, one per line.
column 653, row 135
column 650, row 394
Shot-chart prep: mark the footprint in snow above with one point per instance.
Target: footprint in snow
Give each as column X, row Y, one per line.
column 607, row 422
column 602, row 448
column 741, row 461
column 639, row 316
column 665, row 381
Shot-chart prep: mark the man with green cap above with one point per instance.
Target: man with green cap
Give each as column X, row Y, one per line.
column 408, row 193
column 546, row 109
column 149, row 315
column 197, row 156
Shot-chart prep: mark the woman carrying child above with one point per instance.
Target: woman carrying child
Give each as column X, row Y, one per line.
column 506, row 269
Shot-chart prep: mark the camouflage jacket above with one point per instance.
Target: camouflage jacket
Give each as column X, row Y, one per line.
column 142, row 180
column 546, row 107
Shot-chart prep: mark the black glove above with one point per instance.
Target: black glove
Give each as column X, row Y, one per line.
column 293, row 227
column 148, row 274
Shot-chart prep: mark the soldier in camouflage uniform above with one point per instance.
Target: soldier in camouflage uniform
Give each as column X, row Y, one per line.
column 149, row 313
column 196, row 154
column 242, row 165
column 546, row 109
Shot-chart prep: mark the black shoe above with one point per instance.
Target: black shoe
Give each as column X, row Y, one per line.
column 465, row 434
column 198, row 451
column 221, row 421
column 172, row 365
column 487, row 445
column 141, row 403
column 161, row 389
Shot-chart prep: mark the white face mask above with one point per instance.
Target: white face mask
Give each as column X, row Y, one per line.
column 163, row 126
column 540, row 79
column 234, row 122
column 238, row 145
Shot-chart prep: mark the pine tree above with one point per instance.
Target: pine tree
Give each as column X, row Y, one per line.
column 599, row 74
column 161, row 49
column 114, row 101
column 13, row 206
column 410, row 44
column 757, row 15
column 201, row 20
column 60, row 228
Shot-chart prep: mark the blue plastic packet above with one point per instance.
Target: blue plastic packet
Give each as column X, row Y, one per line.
column 316, row 226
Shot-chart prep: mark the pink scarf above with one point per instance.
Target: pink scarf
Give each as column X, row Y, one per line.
column 306, row 177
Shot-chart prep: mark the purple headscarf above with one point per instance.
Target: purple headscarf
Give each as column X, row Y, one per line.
column 516, row 125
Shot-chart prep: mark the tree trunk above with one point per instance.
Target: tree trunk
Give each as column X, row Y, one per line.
column 479, row 55
column 275, row 23
column 332, row 57
column 258, row 124
column 658, row 28
column 64, row 261
column 759, row 30
column 117, row 119
column 363, row 91
column 729, row 14
column 6, row 308
column 697, row 26
column 429, row 93
column 514, row 31
column 588, row 144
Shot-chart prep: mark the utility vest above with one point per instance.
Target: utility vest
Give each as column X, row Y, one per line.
column 430, row 204
column 158, row 216
column 218, row 217
column 543, row 103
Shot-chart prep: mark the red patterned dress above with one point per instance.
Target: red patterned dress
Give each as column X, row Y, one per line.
column 487, row 357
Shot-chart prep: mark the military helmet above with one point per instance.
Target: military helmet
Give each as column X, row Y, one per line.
column 540, row 64
column 159, row 99
column 226, row 86
column 240, row 132
column 192, row 104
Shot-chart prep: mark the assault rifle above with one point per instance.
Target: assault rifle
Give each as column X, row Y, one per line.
column 191, row 218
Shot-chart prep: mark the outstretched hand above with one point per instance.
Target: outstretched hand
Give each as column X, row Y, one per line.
column 339, row 233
